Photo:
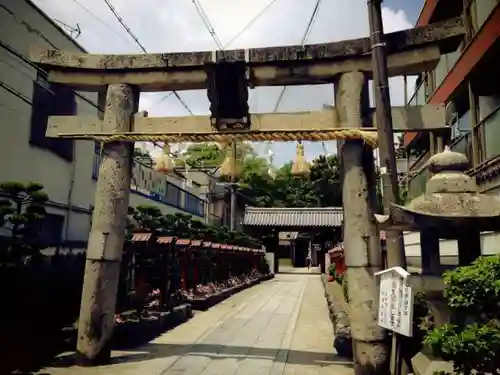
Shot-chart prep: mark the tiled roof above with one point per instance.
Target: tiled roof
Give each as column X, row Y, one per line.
column 293, row 217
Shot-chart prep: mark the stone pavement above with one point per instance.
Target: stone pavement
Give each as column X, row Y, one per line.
column 279, row 327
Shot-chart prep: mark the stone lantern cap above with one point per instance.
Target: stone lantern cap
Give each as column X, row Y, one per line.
column 451, row 192
column 451, row 200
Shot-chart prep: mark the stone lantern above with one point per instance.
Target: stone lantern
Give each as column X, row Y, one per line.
column 450, row 208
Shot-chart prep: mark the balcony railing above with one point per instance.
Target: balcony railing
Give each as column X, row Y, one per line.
column 446, row 63
column 489, row 144
column 479, row 10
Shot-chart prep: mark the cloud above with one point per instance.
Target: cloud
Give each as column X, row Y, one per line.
column 173, row 26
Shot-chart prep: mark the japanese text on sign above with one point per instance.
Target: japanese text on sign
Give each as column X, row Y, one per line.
column 395, row 302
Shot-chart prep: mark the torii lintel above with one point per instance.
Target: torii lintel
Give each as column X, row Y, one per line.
column 409, row 52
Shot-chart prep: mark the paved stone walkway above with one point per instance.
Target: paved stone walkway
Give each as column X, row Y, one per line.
column 280, row 327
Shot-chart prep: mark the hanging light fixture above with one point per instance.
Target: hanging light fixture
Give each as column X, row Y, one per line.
column 164, row 162
column 300, row 167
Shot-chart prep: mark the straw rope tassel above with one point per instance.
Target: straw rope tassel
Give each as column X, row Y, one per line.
column 228, row 167
column 300, row 166
column 164, row 162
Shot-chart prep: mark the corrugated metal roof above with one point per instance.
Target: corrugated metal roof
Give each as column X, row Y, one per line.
column 294, row 217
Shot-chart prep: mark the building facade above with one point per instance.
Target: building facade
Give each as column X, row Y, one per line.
column 466, row 80
column 66, row 168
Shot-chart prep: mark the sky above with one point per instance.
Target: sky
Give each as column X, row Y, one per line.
column 176, row 26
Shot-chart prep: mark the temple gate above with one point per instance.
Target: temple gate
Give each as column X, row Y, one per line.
column 227, row 75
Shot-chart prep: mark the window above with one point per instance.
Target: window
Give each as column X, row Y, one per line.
column 194, row 204
column 97, row 160
column 173, row 195
column 51, row 229
column 51, row 100
column 460, row 125
column 461, row 135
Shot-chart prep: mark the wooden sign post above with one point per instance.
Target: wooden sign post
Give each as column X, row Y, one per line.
column 395, row 311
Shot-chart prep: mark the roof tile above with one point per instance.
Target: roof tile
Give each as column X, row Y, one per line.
column 294, row 217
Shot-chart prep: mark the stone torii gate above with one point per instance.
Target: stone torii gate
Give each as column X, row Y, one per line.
column 227, row 75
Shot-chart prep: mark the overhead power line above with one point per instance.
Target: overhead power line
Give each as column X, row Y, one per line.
column 250, row 24
column 132, row 35
column 307, row 33
column 124, row 25
column 118, row 34
column 98, row 19
column 208, row 24
column 310, row 24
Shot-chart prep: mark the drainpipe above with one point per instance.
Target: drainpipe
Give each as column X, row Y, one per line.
column 70, row 192
column 233, row 190
column 232, row 207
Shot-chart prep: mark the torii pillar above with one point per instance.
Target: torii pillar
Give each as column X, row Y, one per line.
column 105, row 244
column 361, row 238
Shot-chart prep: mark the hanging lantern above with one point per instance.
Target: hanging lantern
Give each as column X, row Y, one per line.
column 300, row 167
column 228, row 167
column 164, row 162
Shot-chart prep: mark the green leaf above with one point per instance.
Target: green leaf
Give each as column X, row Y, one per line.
column 12, row 188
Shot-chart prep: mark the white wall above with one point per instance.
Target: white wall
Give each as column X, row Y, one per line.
column 448, row 249
column 22, row 26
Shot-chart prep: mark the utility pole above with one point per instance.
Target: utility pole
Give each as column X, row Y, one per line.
column 388, row 167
